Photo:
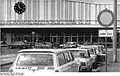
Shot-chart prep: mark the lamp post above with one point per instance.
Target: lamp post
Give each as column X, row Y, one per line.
column 115, row 33
column 33, row 42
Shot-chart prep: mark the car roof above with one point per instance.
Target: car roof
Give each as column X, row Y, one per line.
column 75, row 49
column 89, row 46
column 41, row 50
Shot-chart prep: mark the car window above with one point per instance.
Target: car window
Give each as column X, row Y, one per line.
column 91, row 51
column 71, row 56
column 35, row 60
column 88, row 54
column 75, row 53
column 67, row 57
column 61, row 59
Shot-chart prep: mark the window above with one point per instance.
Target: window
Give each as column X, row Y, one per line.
column 88, row 54
column 67, row 57
column 71, row 56
column 61, row 59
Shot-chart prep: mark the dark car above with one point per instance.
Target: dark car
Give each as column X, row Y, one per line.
column 19, row 44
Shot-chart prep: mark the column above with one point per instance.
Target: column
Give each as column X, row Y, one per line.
column 66, row 10
column 119, row 40
column 91, row 37
column 46, row 9
column 0, row 40
column 29, row 10
column 26, row 11
column 52, row 9
column 82, row 11
column 79, row 12
column 77, row 37
column 8, row 38
column 8, row 9
column 70, row 10
column 58, row 9
column 74, row 11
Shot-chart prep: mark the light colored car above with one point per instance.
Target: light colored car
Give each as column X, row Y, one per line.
column 92, row 53
column 83, row 56
column 41, row 60
column 99, row 51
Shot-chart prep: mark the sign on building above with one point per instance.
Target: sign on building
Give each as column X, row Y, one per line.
column 105, row 33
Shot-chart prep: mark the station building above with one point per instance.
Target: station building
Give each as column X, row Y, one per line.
column 56, row 21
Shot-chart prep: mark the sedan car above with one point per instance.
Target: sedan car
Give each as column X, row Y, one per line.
column 19, row 44
column 99, row 52
column 44, row 60
column 83, row 56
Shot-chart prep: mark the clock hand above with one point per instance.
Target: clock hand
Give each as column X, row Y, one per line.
column 20, row 7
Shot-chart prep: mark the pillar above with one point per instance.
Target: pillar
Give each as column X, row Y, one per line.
column 8, row 38
column 119, row 40
column 0, row 43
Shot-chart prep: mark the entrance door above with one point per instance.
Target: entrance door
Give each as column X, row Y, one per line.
column 56, row 39
column 67, row 38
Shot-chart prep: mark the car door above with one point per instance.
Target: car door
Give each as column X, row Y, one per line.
column 89, row 57
column 73, row 62
column 62, row 66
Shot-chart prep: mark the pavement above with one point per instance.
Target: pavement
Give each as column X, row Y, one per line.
column 7, row 59
column 111, row 67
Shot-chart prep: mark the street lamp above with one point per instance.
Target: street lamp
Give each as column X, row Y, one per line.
column 33, row 34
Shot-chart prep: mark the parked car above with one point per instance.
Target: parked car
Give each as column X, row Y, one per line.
column 100, row 55
column 69, row 45
column 43, row 45
column 19, row 44
column 83, row 56
column 93, row 55
column 44, row 60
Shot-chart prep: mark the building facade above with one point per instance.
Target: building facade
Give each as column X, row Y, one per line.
column 56, row 21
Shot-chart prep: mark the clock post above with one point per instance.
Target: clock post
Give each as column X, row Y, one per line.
column 106, row 18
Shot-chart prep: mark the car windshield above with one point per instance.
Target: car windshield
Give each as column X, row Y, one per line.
column 35, row 60
column 79, row 53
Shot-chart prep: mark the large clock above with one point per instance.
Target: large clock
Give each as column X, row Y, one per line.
column 19, row 7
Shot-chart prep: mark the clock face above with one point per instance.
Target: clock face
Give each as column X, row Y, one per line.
column 19, row 7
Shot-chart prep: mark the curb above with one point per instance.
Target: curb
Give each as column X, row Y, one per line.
column 7, row 57
column 6, row 64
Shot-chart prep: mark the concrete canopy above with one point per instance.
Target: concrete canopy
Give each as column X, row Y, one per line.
column 99, row 1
